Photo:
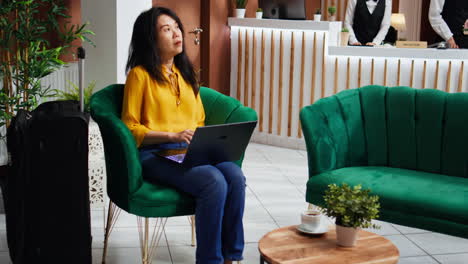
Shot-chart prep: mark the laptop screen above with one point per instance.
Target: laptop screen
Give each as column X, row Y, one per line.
column 176, row 155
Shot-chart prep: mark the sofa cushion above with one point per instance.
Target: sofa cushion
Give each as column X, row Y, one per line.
column 407, row 191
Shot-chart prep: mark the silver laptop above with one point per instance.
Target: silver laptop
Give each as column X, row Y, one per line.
column 213, row 144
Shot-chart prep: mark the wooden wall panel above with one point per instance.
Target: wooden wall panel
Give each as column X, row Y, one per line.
column 308, row 73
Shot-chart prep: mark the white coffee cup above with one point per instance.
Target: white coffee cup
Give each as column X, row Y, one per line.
column 310, row 219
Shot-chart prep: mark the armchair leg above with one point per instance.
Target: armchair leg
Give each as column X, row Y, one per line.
column 148, row 247
column 112, row 216
column 192, row 223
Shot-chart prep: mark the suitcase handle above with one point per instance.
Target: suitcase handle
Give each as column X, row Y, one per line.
column 81, row 56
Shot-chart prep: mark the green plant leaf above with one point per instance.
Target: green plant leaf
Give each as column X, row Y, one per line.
column 23, row 24
column 351, row 206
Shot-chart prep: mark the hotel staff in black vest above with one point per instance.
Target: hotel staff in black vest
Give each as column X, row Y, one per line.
column 447, row 18
column 368, row 21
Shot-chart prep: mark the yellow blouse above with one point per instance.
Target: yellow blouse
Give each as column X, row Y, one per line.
column 150, row 105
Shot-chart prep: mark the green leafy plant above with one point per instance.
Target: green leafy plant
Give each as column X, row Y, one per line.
column 241, row 3
column 72, row 92
column 351, row 206
column 332, row 10
column 259, row 10
column 26, row 55
column 318, row 11
column 344, row 30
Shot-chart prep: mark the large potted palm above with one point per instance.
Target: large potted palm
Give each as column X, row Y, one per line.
column 27, row 55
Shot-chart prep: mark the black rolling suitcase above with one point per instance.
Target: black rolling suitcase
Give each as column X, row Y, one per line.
column 47, row 193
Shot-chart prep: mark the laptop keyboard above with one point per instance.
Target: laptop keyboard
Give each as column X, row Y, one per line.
column 177, row 158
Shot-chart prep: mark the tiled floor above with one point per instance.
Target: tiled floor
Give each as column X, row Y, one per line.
column 276, row 180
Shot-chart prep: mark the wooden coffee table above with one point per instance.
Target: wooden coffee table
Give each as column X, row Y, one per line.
column 289, row 246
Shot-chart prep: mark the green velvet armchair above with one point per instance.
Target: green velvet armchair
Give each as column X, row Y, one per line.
column 126, row 187
column 409, row 146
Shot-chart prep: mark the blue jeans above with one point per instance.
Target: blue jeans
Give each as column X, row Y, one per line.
column 219, row 191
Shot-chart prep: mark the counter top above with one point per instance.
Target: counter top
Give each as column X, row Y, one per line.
column 390, row 52
column 283, row 24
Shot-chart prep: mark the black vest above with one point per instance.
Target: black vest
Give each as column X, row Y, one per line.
column 455, row 13
column 366, row 25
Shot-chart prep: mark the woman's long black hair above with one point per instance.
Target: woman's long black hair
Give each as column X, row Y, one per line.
column 143, row 50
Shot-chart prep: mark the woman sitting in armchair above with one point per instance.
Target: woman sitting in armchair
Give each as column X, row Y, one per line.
column 162, row 108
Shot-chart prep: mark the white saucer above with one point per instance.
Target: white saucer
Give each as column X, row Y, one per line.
column 320, row 230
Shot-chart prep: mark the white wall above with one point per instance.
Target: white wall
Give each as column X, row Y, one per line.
column 127, row 12
column 413, row 12
column 112, row 21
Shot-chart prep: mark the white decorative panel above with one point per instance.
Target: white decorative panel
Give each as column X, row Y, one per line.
column 96, row 167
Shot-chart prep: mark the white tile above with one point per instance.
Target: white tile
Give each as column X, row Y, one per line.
column 256, row 212
column 97, row 219
column 131, row 256
column 179, row 235
column 273, row 197
column 186, row 255
column 405, row 246
column 254, row 231
column 277, row 209
column 3, row 241
column 385, row 229
column 178, row 221
column 417, row 260
column 5, row 258
column 183, row 254
column 121, row 237
column 2, row 222
column 452, row 258
column 409, row 230
column 251, row 254
column 435, row 243
column 283, row 221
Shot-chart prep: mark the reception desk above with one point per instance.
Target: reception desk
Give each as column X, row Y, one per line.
column 279, row 66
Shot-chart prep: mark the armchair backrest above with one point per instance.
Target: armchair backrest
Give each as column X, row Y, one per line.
column 124, row 173
column 419, row 129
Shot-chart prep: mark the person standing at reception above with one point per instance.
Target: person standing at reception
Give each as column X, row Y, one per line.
column 447, row 18
column 368, row 21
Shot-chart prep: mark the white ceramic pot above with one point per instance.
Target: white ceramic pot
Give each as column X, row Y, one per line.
column 240, row 13
column 259, row 15
column 317, row 18
column 346, row 236
column 344, row 38
column 332, row 18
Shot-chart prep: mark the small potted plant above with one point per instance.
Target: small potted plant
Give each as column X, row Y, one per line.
column 353, row 208
column 332, row 12
column 318, row 15
column 259, row 13
column 344, row 37
column 240, row 8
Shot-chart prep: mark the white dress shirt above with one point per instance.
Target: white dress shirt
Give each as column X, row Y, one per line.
column 371, row 5
column 437, row 22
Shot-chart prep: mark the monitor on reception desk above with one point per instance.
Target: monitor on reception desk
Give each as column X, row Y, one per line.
column 283, row 9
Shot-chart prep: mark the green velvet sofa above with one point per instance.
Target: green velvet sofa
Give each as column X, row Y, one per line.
column 409, row 146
